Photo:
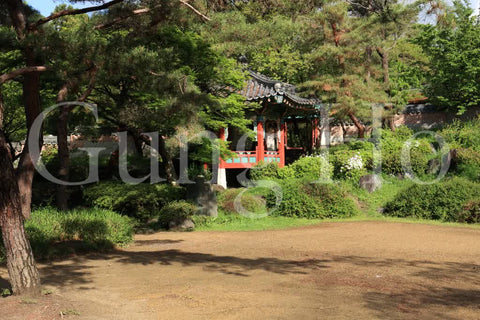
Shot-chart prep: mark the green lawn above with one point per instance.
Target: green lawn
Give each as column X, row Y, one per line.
column 239, row 223
column 230, row 222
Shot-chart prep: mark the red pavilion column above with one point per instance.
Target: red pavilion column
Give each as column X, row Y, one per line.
column 221, row 136
column 315, row 133
column 281, row 144
column 221, row 173
column 260, row 140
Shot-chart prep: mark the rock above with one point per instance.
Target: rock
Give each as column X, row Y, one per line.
column 204, row 197
column 185, row 225
column 370, row 182
column 217, row 188
column 434, row 166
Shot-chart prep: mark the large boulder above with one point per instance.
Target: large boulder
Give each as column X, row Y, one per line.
column 370, row 182
column 183, row 225
column 204, row 196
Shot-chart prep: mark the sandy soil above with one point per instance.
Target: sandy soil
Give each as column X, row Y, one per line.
column 355, row 270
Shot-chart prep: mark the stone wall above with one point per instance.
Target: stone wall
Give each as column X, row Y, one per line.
column 414, row 120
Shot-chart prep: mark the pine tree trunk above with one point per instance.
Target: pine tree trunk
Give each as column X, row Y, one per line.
column 22, row 271
column 167, row 160
column 63, row 156
column 344, row 131
column 386, row 78
column 368, row 62
column 26, row 170
column 359, row 125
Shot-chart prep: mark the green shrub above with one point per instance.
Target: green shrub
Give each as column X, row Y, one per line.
column 392, row 144
column 441, row 201
column 350, row 164
column 470, row 212
column 142, row 201
column 468, row 163
column 253, row 200
column 176, row 211
column 265, row 171
column 78, row 164
column 463, row 134
column 304, row 199
column 311, row 167
column 464, row 137
column 90, row 229
column 471, row 172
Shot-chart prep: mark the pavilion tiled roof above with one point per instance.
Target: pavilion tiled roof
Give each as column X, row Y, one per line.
column 260, row 87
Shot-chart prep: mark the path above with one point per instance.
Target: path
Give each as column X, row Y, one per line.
column 354, row 270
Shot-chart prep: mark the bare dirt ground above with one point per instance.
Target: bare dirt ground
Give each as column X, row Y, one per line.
column 354, row 270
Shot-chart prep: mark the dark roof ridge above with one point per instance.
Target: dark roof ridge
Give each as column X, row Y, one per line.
column 261, row 86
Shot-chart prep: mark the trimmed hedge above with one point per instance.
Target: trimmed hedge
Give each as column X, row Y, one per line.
column 142, row 201
column 450, row 201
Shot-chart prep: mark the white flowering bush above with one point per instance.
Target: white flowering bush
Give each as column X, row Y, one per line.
column 353, row 163
column 349, row 165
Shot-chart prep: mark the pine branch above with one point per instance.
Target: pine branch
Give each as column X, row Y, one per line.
column 119, row 19
column 146, row 10
column 33, row 26
column 91, row 84
column 11, row 75
column 195, row 10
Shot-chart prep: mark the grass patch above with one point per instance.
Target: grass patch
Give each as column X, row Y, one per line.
column 371, row 203
column 236, row 222
column 56, row 234
column 228, row 222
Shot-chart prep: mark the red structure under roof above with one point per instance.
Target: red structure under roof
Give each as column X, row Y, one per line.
column 280, row 107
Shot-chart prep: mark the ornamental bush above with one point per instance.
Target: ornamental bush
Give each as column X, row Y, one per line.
column 470, row 212
column 464, row 138
column 53, row 233
column 392, row 144
column 443, row 201
column 310, row 167
column 252, row 200
column 301, row 198
column 349, row 164
column 142, row 201
column 175, row 211
column 265, row 171
column 463, row 134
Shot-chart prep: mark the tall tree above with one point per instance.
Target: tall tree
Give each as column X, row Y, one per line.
column 451, row 45
column 15, row 198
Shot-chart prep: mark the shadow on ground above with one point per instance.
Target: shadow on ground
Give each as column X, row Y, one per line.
column 77, row 270
column 4, row 284
column 155, row 241
column 424, row 288
column 399, row 305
